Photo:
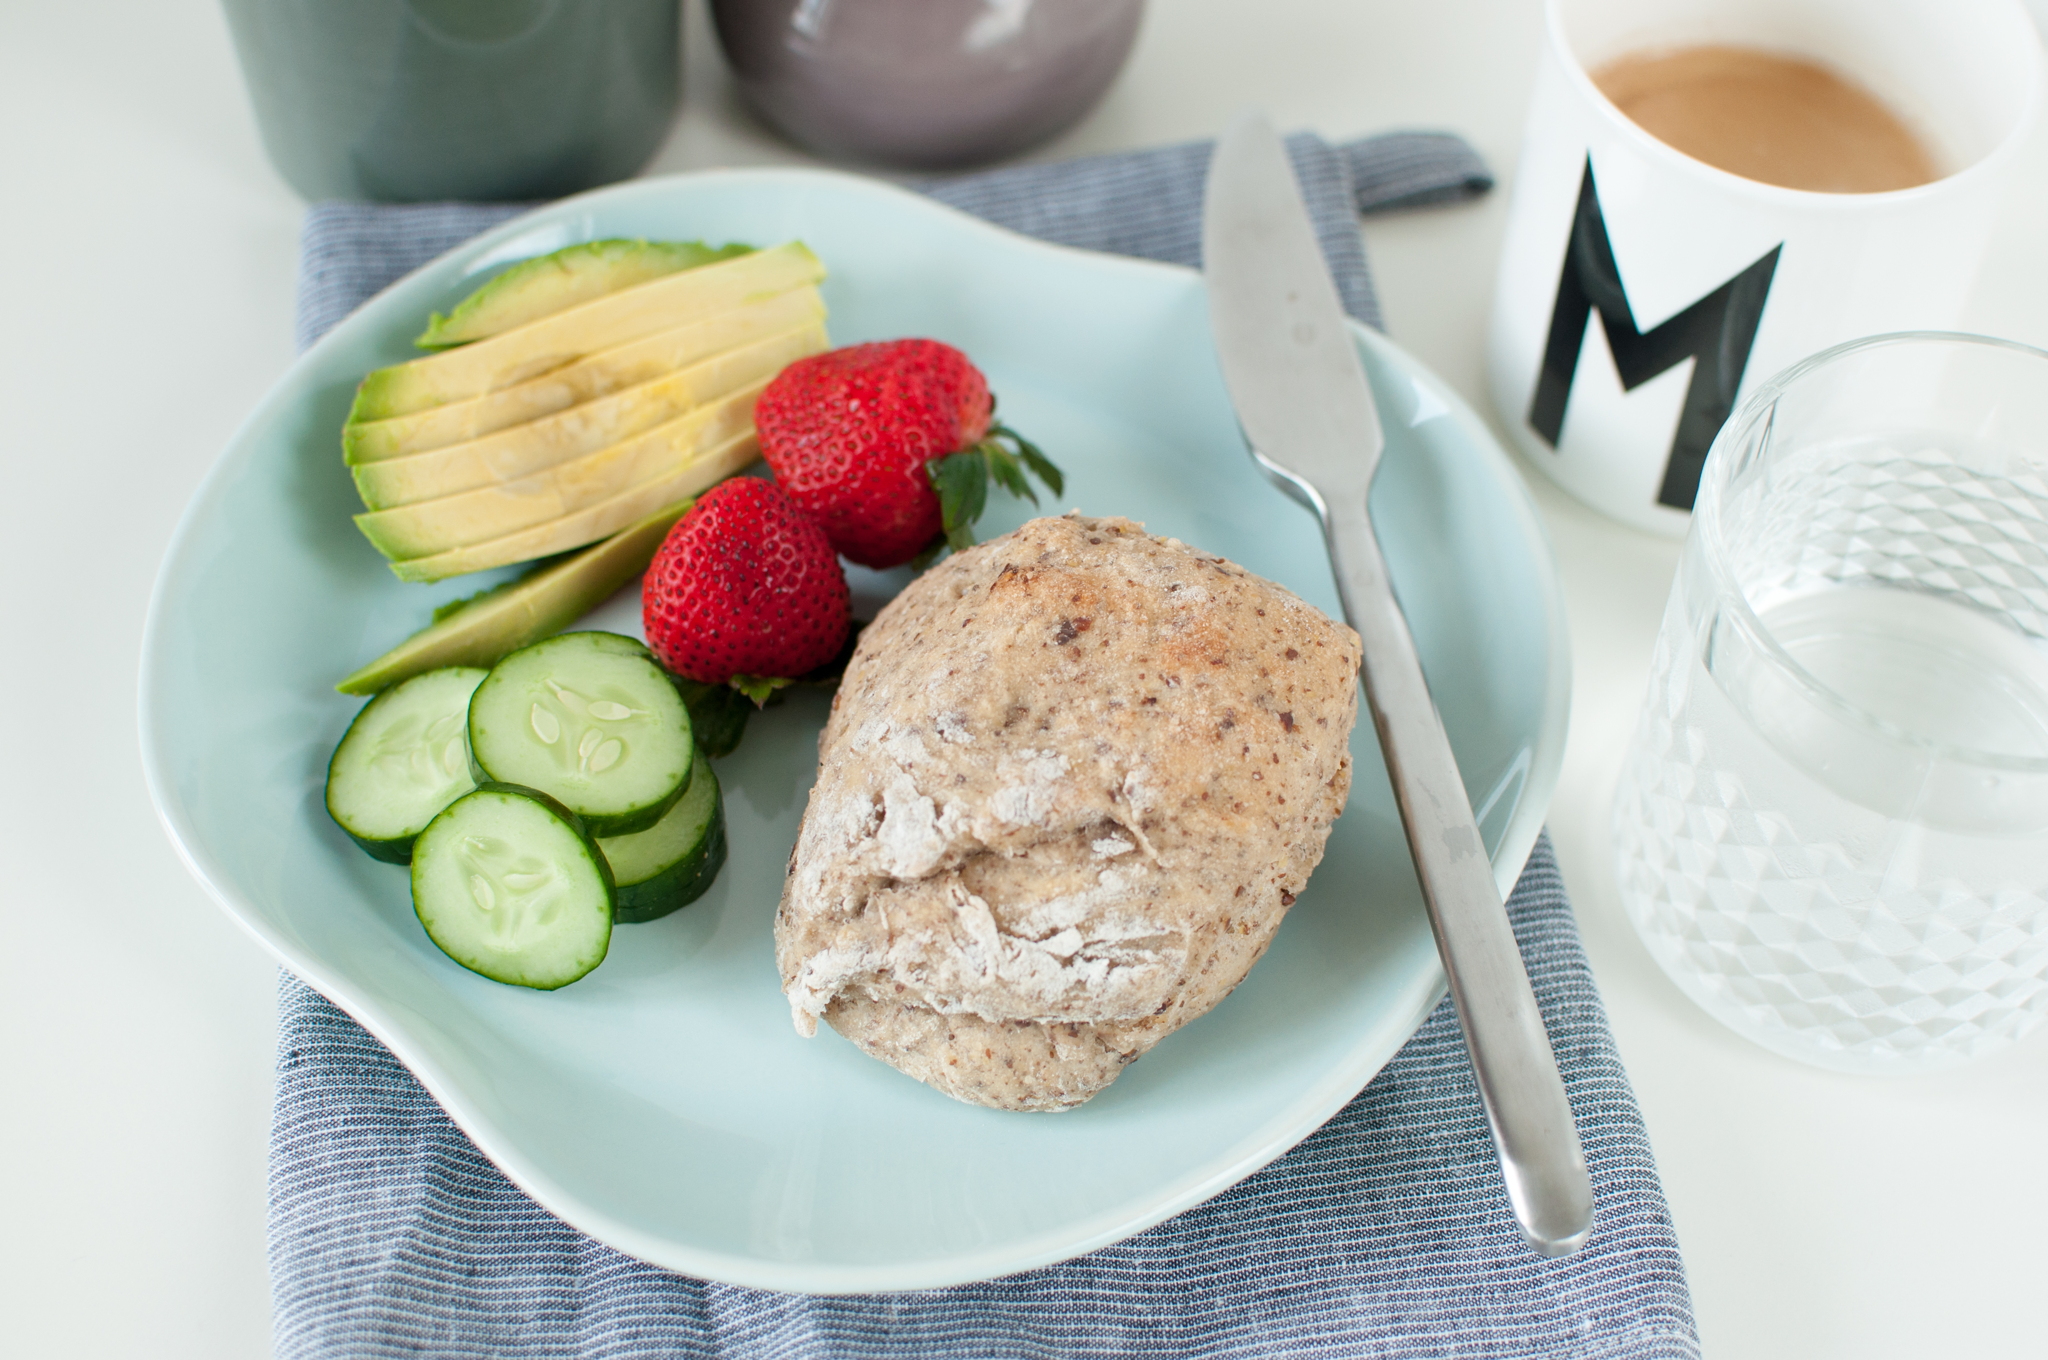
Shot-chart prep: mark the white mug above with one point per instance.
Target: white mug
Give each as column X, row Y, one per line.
column 1643, row 293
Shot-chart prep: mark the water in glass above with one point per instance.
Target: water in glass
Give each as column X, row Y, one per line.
column 1833, row 827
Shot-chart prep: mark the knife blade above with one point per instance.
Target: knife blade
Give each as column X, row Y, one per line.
column 1301, row 394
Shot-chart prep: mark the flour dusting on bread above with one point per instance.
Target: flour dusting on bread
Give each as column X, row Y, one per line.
column 1071, row 783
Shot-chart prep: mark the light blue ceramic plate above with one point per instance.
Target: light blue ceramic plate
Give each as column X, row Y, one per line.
column 664, row 1104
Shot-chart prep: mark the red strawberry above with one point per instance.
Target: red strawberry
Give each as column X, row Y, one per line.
column 890, row 445
column 744, row 587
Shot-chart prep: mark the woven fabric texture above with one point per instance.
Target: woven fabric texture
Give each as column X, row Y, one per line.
column 1384, row 1234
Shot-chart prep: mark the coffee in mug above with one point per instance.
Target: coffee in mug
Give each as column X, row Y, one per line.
column 1769, row 117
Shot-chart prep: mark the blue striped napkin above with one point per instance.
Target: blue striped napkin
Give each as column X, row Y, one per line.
column 1386, row 1233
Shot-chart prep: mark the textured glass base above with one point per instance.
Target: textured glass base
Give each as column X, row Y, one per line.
column 1848, row 987
column 1818, row 926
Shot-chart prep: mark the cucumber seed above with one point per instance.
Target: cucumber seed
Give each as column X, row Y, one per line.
column 546, row 726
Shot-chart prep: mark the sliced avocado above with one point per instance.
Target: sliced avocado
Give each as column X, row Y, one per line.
column 587, row 525
column 486, row 627
column 560, row 280
column 488, row 512
column 557, row 341
column 508, row 455
column 600, row 375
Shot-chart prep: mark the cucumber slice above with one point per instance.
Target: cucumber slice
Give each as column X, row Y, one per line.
column 402, row 760
column 509, row 884
column 670, row 864
column 590, row 720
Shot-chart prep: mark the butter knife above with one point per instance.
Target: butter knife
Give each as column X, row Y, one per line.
column 1301, row 395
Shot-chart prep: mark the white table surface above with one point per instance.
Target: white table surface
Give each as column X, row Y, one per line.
column 148, row 254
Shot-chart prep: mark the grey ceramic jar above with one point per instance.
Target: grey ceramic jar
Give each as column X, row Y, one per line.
column 925, row 84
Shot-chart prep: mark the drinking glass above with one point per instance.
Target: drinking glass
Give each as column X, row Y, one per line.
column 1832, row 829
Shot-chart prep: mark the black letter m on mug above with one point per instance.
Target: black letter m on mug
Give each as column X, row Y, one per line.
column 1716, row 333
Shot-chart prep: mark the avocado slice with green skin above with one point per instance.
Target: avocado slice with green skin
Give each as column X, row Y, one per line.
column 567, row 337
column 588, row 525
column 562, row 279
column 486, row 628
column 553, row 441
column 600, row 375
column 491, row 512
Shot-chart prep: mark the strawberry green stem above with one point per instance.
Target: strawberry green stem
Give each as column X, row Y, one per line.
column 961, row 480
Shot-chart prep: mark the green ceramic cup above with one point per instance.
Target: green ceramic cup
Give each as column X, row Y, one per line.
column 414, row 100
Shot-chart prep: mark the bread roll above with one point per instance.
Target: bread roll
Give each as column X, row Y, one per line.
column 1073, row 779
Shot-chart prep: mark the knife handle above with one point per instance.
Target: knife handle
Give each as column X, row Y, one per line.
column 1531, row 1119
